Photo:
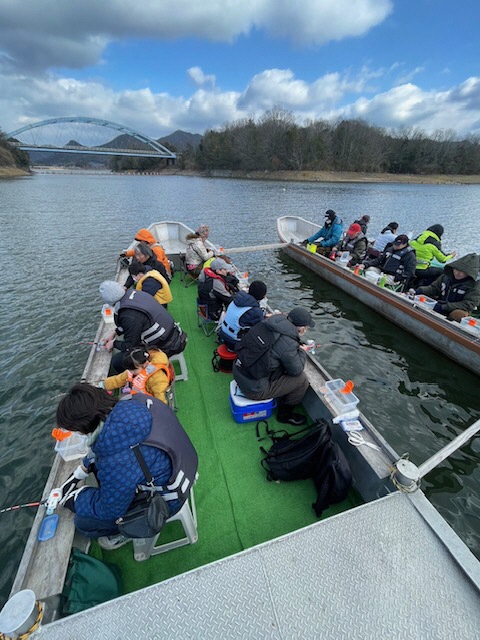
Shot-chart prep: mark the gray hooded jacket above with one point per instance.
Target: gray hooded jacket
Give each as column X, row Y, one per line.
column 457, row 294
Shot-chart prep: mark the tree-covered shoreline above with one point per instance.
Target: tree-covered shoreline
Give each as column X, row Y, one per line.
column 275, row 142
column 11, row 157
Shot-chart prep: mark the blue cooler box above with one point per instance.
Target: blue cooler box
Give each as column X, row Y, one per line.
column 246, row 410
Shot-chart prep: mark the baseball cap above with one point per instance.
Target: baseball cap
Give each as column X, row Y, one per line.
column 300, row 317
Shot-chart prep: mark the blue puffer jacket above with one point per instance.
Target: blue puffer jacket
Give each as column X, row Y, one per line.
column 118, row 471
column 331, row 233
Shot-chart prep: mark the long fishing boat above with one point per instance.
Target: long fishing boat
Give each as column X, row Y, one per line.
column 459, row 342
column 383, row 562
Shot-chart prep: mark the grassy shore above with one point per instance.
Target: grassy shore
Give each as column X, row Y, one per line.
column 332, row 176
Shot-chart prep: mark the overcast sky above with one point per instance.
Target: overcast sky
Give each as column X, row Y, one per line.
column 158, row 65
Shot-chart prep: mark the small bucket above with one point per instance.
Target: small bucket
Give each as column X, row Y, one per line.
column 223, row 359
column 21, row 615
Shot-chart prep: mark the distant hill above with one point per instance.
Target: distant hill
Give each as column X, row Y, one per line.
column 181, row 139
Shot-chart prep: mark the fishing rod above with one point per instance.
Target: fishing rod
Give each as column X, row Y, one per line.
column 21, row 506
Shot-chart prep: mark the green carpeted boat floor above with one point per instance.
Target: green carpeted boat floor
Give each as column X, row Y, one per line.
column 237, row 507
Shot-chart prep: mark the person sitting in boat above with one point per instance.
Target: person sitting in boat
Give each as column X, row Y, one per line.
column 363, row 222
column 145, row 255
column 213, row 288
column 428, row 247
column 144, row 235
column 152, row 282
column 197, row 252
column 113, row 427
column 387, row 236
column 329, row 235
column 139, row 319
column 397, row 260
column 281, row 372
column 146, row 371
column 457, row 289
column 355, row 242
column 242, row 313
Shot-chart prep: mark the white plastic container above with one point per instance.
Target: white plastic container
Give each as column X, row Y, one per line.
column 73, row 447
column 107, row 314
column 472, row 325
column 341, row 402
column 425, row 301
column 372, row 276
column 344, row 256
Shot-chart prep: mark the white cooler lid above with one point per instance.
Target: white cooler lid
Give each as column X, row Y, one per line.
column 240, row 400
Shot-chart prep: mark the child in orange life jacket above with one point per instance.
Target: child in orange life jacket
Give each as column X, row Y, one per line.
column 147, row 371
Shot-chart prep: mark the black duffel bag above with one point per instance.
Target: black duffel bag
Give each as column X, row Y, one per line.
column 309, row 453
column 294, row 456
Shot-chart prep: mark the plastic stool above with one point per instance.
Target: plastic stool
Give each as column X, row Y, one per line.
column 143, row 548
column 171, row 397
column 180, row 358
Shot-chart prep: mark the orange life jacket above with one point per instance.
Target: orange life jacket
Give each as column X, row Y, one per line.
column 138, row 381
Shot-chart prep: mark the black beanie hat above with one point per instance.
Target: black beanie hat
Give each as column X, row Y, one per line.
column 330, row 214
column 257, row 289
column 437, row 229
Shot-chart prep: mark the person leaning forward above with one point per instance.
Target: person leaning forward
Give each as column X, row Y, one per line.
column 329, row 235
column 285, row 378
column 114, row 427
column 140, row 319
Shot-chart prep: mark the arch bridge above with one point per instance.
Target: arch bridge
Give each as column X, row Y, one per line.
column 89, row 136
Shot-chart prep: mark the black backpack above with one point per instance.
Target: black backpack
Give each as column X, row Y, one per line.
column 313, row 455
column 253, row 351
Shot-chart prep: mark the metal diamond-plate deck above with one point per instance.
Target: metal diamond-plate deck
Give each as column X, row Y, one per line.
column 378, row 571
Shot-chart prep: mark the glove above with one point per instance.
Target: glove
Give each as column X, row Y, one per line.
column 122, row 255
column 71, row 482
column 101, row 384
column 440, row 308
column 69, row 501
column 125, row 262
column 304, row 243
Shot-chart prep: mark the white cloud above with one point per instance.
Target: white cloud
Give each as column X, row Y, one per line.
column 25, row 100
column 38, row 34
column 199, row 78
column 410, row 106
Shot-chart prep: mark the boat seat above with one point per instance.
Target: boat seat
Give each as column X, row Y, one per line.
column 180, row 358
column 143, row 548
column 207, row 324
column 187, row 277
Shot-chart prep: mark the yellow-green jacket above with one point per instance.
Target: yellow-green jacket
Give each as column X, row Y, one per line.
column 427, row 251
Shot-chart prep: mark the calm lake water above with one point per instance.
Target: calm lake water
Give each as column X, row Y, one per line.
column 61, row 236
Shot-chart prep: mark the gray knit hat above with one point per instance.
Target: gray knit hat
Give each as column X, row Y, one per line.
column 218, row 263
column 111, row 291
